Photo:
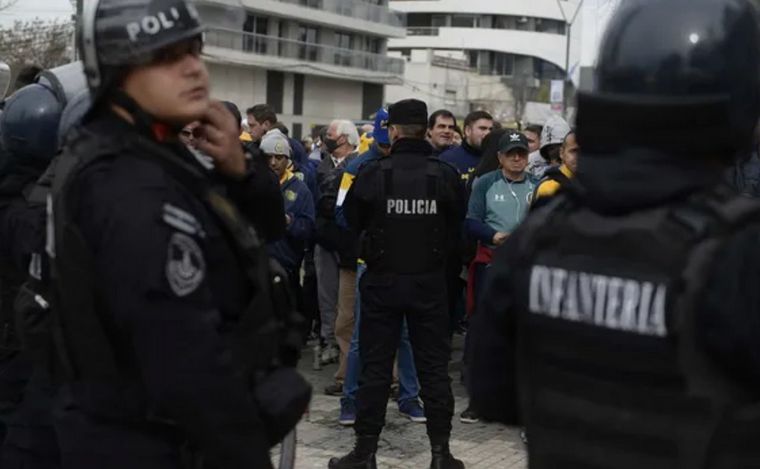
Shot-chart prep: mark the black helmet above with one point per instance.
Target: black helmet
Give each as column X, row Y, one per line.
column 678, row 75
column 29, row 128
column 118, row 33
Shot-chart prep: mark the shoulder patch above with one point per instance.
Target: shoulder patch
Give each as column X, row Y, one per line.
column 290, row 196
column 185, row 265
column 182, row 220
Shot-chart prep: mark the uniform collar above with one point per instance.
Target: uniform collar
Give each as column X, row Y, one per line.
column 412, row 145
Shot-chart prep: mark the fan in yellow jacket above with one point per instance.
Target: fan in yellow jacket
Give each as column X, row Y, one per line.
column 555, row 178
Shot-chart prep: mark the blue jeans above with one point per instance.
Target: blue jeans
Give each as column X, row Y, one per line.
column 409, row 388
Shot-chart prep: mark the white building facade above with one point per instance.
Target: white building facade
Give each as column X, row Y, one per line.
column 496, row 55
column 311, row 60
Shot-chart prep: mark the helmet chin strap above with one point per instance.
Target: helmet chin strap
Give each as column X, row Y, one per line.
column 144, row 121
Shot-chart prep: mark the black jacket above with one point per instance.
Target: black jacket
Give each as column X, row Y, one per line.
column 171, row 288
column 728, row 320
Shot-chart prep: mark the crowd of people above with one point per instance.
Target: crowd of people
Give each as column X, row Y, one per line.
column 166, row 260
column 505, row 172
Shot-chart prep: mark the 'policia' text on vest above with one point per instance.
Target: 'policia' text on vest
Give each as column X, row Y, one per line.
column 412, row 207
column 610, row 302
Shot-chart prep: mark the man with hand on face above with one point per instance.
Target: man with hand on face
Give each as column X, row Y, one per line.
column 466, row 157
column 159, row 278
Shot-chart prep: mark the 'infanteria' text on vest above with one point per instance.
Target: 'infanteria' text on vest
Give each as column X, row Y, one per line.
column 611, row 302
column 412, row 207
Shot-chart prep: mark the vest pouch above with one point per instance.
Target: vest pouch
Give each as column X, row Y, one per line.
column 283, row 397
column 32, row 313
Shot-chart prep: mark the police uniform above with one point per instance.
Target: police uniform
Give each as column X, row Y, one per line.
column 26, row 388
column 409, row 210
column 169, row 322
column 616, row 321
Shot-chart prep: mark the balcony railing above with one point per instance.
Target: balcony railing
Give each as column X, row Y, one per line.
column 425, row 31
column 355, row 9
column 269, row 46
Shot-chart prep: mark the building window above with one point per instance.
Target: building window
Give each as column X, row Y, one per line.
column 372, row 45
column 345, row 43
column 275, row 90
column 502, row 64
column 473, row 58
column 308, row 36
column 311, row 3
column 450, row 99
column 257, row 27
column 465, row 21
column 438, row 21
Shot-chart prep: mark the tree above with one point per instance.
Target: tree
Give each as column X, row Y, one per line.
column 36, row 44
column 4, row 4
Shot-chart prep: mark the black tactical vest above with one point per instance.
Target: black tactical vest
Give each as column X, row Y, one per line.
column 610, row 372
column 408, row 232
column 266, row 340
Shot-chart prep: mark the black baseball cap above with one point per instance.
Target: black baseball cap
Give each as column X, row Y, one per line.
column 408, row 112
column 513, row 140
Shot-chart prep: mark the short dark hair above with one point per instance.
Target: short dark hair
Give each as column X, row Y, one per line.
column 281, row 127
column 411, row 130
column 232, row 107
column 475, row 116
column 536, row 129
column 564, row 140
column 445, row 113
column 262, row 113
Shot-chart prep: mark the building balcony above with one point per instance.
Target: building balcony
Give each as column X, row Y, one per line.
column 350, row 15
column 548, row 47
column 354, row 9
column 230, row 46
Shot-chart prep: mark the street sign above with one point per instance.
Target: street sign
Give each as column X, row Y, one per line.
column 557, row 93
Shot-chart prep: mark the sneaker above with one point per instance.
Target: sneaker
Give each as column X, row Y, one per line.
column 330, row 354
column 347, row 412
column 412, row 409
column 335, row 389
column 469, row 416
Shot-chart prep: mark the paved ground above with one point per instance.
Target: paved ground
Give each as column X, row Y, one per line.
column 403, row 444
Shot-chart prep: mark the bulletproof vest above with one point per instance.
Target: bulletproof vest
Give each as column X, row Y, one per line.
column 265, row 338
column 408, row 232
column 610, row 371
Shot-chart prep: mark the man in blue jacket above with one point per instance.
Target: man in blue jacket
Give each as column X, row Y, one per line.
column 299, row 206
column 466, row 157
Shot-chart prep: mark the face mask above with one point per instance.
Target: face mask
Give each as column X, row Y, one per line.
column 331, row 145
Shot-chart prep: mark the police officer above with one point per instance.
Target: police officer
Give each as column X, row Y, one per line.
column 29, row 128
column 629, row 305
column 163, row 302
column 409, row 210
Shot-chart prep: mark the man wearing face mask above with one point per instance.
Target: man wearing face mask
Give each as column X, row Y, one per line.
column 333, row 250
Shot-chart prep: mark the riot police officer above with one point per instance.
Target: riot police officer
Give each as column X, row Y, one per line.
column 29, row 127
column 167, row 316
column 628, row 306
column 409, row 210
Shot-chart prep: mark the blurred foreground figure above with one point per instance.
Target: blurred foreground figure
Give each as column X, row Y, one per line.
column 624, row 316
column 173, row 331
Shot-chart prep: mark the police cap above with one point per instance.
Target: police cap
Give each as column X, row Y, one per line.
column 408, row 112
